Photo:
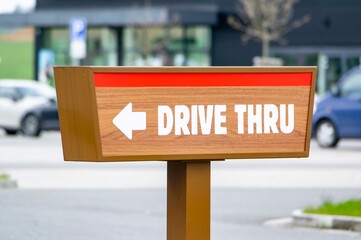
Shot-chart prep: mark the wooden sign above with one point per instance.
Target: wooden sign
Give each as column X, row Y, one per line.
column 135, row 114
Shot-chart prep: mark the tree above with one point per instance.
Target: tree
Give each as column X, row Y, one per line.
column 266, row 21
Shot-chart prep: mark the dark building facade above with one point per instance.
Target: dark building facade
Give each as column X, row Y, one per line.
column 193, row 33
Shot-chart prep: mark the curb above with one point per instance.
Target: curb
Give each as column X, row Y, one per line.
column 8, row 184
column 302, row 219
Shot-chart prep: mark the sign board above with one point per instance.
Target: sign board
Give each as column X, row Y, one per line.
column 135, row 114
column 78, row 32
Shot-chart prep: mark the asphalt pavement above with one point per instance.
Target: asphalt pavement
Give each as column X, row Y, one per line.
column 76, row 201
column 140, row 214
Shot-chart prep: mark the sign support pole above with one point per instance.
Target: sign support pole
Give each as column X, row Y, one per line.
column 188, row 200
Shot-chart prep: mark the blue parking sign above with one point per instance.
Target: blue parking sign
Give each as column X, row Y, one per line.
column 78, row 29
column 78, row 32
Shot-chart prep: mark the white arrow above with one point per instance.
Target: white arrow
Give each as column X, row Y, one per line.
column 127, row 121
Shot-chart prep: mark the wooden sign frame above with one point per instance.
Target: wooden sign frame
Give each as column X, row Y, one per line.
column 79, row 117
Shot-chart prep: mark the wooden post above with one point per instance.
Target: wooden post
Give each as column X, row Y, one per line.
column 188, row 200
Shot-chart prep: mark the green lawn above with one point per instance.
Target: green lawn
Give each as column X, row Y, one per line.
column 347, row 208
column 16, row 60
column 4, row 177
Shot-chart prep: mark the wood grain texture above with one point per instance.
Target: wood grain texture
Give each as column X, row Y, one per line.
column 77, row 113
column 310, row 110
column 188, row 200
column 114, row 143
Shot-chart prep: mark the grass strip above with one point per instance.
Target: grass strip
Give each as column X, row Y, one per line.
column 4, row 177
column 350, row 208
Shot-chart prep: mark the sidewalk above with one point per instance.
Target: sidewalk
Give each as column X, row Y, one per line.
column 301, row 219
column 156, row 177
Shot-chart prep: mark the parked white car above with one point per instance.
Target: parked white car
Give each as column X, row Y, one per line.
column 27, row 106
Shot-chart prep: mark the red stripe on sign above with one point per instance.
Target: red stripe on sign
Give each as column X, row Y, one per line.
column 201, row 79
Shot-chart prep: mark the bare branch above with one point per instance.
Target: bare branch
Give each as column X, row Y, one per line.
column 265, row 20
column 245, row 38
column 282, row 41
column 236, row 23
column 298, row 23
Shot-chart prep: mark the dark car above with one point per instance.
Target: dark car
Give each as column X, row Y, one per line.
column 40, row 118
column 338, row 114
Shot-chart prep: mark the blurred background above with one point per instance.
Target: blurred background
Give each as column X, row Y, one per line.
column 42, row 197
column 170, row 33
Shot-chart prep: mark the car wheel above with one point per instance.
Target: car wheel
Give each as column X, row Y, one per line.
column 326, row 135
column 11, row 132
column 30, row 126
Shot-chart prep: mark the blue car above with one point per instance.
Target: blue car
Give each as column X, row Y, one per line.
column 338, row 114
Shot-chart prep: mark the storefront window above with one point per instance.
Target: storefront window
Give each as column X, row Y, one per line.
column 101, row 46
column 166, row 46
column 353, row 62
column 199, row 44
column 333, row 71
